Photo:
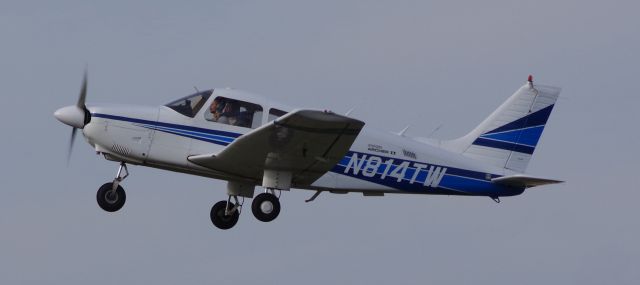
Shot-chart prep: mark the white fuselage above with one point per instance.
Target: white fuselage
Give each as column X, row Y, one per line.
column 378, row 162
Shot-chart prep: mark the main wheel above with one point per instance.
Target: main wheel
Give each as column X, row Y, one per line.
column 111, row 201
column 265, row 207
column 218, row 217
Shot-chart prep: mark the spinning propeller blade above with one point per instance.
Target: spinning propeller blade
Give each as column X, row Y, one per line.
column 83, row 92
column 79, row 107
column 73, row 138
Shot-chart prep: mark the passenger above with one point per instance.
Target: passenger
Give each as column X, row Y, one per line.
column 216, row 110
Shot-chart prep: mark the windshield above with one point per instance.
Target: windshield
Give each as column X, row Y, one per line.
column 190, row 105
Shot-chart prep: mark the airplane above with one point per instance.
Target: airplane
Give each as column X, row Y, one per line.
column 250, row 141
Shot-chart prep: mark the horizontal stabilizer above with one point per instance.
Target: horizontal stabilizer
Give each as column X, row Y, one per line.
column 521, row 180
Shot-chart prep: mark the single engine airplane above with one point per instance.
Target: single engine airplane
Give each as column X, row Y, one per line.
column 250, row 141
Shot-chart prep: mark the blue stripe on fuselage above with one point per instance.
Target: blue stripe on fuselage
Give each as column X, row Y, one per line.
column 455, row 181
column 208, row 135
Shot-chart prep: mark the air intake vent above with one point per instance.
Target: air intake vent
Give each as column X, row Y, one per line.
column 120, row 149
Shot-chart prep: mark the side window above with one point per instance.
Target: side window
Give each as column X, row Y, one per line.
column 234, row 112
column 275, row 113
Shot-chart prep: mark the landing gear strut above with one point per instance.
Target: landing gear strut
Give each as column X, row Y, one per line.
column 111, row 195
column 225, row 214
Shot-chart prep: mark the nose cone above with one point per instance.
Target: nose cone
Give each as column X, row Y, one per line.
column 70, row 115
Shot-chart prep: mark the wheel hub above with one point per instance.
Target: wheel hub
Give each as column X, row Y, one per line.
column 111, row 197
column 266, row 207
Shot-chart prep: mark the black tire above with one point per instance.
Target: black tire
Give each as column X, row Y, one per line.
column 219, row 219
column 108, row 201
column 265, row 207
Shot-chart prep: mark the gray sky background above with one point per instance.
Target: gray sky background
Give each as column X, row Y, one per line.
column 423, row 63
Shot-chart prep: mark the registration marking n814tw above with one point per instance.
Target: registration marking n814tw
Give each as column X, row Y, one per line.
column 370, row 166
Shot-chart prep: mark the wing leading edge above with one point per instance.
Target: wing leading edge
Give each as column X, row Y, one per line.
column 308, row 143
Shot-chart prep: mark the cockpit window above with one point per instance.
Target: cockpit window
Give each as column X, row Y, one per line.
column 190, row 105
column 234, row 112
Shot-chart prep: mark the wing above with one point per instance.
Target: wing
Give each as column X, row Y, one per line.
column 306, row 142
column 522, row 180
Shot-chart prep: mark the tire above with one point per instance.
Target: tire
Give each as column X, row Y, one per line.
column 265, row 207
column 219, row 219
column 111, row 202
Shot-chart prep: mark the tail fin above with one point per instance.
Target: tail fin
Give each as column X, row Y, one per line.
column 508, row 137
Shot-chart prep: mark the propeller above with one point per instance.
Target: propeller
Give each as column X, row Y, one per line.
column 77, row 116
column 73, row 139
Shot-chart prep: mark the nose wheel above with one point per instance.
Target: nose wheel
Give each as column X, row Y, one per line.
column 265, row 207
column 111, row 195
column 109, row 200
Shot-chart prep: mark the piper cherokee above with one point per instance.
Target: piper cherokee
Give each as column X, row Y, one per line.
column 249, row 140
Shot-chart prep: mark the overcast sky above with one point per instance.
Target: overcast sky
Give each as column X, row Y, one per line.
column 422, row 63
